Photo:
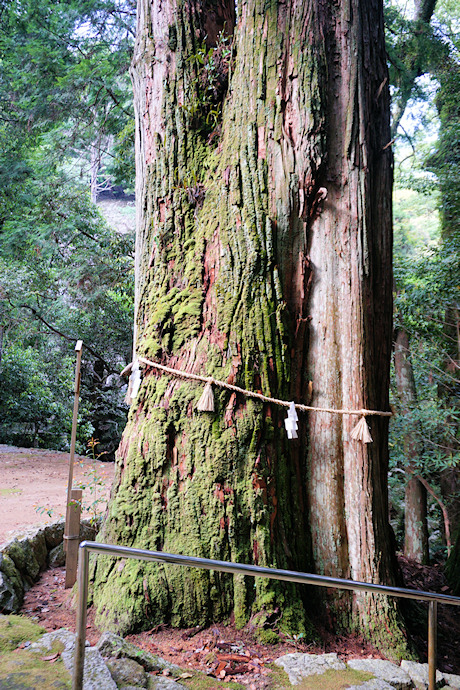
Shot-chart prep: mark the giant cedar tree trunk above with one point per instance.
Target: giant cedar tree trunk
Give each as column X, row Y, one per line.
column 245, row 271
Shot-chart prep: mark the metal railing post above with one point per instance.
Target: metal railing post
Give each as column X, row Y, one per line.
column 432, row 640
column 82, row 605
column 240, row 568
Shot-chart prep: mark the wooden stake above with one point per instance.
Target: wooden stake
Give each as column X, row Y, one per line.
column 78, row 348
column 73, row 538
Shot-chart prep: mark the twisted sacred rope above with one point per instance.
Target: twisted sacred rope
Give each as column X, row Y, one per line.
column 178, row 373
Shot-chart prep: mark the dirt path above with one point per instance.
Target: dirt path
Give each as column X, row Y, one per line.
column 33, row 486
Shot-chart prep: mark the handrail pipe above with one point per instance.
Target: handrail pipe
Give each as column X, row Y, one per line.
column 87, row 547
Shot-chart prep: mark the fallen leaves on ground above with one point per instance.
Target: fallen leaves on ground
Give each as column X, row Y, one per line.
column 225, row 653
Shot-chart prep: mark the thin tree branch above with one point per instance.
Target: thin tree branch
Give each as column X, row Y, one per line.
column 443, row 509
column 453, row 361
column 430, row 364
column 116, row 101
column 67, row 337
column 8, row 119
column 438, row 445
column 64, row 41
column 423, row 13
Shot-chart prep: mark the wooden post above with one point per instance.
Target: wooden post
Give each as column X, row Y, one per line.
column 78, row 348
column 73, row 538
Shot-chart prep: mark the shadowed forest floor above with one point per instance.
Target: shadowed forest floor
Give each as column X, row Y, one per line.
column 237, row 651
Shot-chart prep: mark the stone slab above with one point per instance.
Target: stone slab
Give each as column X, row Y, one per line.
column 300, row 665
column 372, row 684
column 96, row 675
column 113, row 646
column 452, row 680
column 383, row 670
column 127, row 672
column 419, row 675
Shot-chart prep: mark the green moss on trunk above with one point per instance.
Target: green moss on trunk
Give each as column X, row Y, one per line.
column 224, row 286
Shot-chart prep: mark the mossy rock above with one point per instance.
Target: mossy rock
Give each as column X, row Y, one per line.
column 20, row 670
column 56, row 557
column 115, row 647
column 24, row 558
column 31, row 680
column 8, row 567
column 267, row 636
column 332, row 679
column 127, row 671
column 54, row 534
column 39, row 548
column 9, row 599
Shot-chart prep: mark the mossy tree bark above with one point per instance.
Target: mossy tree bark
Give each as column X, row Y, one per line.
column 263, row 258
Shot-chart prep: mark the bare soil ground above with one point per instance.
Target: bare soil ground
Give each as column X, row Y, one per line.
column 33, row 486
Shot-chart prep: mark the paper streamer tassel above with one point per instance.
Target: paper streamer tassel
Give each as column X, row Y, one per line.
column 134, row 383
column 206, row 402
column 291, row 422
column 361, row 432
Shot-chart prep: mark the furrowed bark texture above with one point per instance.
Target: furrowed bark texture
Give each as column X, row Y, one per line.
column 350, row 308
column 247, row 272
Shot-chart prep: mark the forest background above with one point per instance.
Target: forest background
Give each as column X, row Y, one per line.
column 66, row 261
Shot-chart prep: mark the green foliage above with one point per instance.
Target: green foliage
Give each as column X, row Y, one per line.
column 426, row 285
column 64, row 274
column 415, row 222
column 445, row 161
column 30, row 410
column 65, row 64
column 121, row 167
column 82, row 294
column 427, row 279
column 424, row 72
column 93, row 485
column 414, row 47
column 210, row 69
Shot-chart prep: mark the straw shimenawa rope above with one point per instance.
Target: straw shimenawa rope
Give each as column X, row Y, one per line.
column 206, row 403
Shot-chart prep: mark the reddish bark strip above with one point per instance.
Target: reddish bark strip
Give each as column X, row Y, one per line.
column 263, row 258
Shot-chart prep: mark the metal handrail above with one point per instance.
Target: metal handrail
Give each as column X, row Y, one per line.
column 239, row 568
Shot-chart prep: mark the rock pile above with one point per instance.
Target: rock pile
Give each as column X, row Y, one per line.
column 25, row 556
column 387, row 676
column 115, row 663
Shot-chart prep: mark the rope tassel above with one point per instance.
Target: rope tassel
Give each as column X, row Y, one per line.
column 206, row 402
column 361, row 432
